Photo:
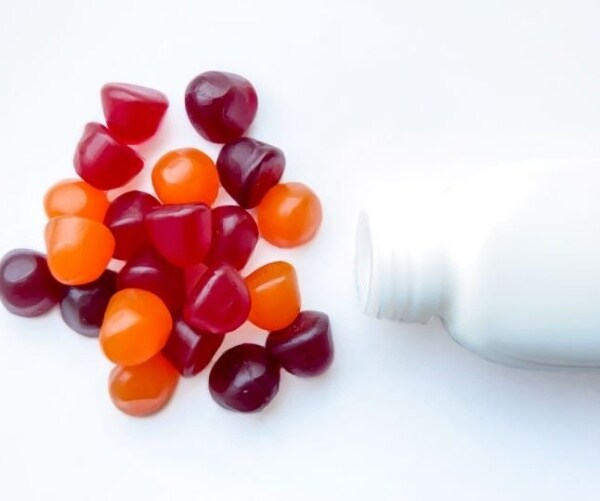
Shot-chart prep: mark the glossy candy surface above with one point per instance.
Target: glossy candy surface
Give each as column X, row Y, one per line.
column 83, row 307
column 289, row 215
column 220, row 106
column 78, row 249
column 136, row 327
column 234, row 236
column 180, row 233
column 244, row 378
column 305, row 347
column 133, row 113
column 248, row 169
column 143, row 389
column 104, row 162
column 186, row 175
column 193, row 275
column 27, row 287
column 74, row 197
column 126, row 218
column 149, row 271
column 190, row 350
column 275, row 296
column 219, row 302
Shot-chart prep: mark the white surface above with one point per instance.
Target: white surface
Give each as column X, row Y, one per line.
column 509, row 260
column 354, row 92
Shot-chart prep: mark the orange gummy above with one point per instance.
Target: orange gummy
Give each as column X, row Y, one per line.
column 289, row 215
column 186, row 175
column 143, row 389
column 78, row 249
column 74, row 197
column 274, row 295
column 135, row 328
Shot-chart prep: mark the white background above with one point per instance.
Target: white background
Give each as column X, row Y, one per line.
column 356, row 94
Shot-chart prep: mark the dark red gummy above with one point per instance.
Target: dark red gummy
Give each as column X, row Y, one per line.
column 193, row 275
column 305, row 347
column 104, row 162
column 190, row 350
column 149, row 271
column 248, row 169
column 244, row 378
column 221, row 106
column 181, row 233
column 27, row 288
column 126, row 217
column 234, row 236
column 83, row 307
column 220, row 301
column 133, row 113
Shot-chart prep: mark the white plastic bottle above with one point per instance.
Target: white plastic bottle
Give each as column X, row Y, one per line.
column 510, row 261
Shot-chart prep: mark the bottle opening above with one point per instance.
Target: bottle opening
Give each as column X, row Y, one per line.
column 398, row 266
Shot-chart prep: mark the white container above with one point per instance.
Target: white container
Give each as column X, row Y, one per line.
column 510, row 262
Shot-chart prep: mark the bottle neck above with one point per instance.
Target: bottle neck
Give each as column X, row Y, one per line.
column 399, row 267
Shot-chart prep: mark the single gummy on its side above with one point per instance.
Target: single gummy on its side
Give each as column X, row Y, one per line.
column 27, row 288
column 103, row 161
column 244, row 378
column 133, row 113
column 305, row 347
column 220, row 105
column 248, row 169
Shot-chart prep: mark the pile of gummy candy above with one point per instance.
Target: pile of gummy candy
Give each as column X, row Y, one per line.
column 179, row 289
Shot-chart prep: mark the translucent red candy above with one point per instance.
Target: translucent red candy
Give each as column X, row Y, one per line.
column 149, row 271
column 125, row 218
column 193, row 275
column 220, row 301
column 248, row 169
column 133, row 113
column 83, row 307
column 27, row 287
column 305, row 347
column 190, row 350
column 179, row 292
column 220, row 106
column 104, row 162
column 234, row 236
column 244, row 378
column 181, row 233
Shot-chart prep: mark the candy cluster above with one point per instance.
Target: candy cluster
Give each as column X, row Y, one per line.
column 180, row 288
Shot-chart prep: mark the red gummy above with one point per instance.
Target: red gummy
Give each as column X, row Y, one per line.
column 305, row 347
column 234, row 236
column 181, row 233
column 248, row 169
column 149, row 271
column 125, row 218
column 83, row 306
column 190, row 350
column 27, row 288
column 133, row 113
column 104, row 162
column 244, row 378
column 220, row 105
column 193, row 275
column 220, row 302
